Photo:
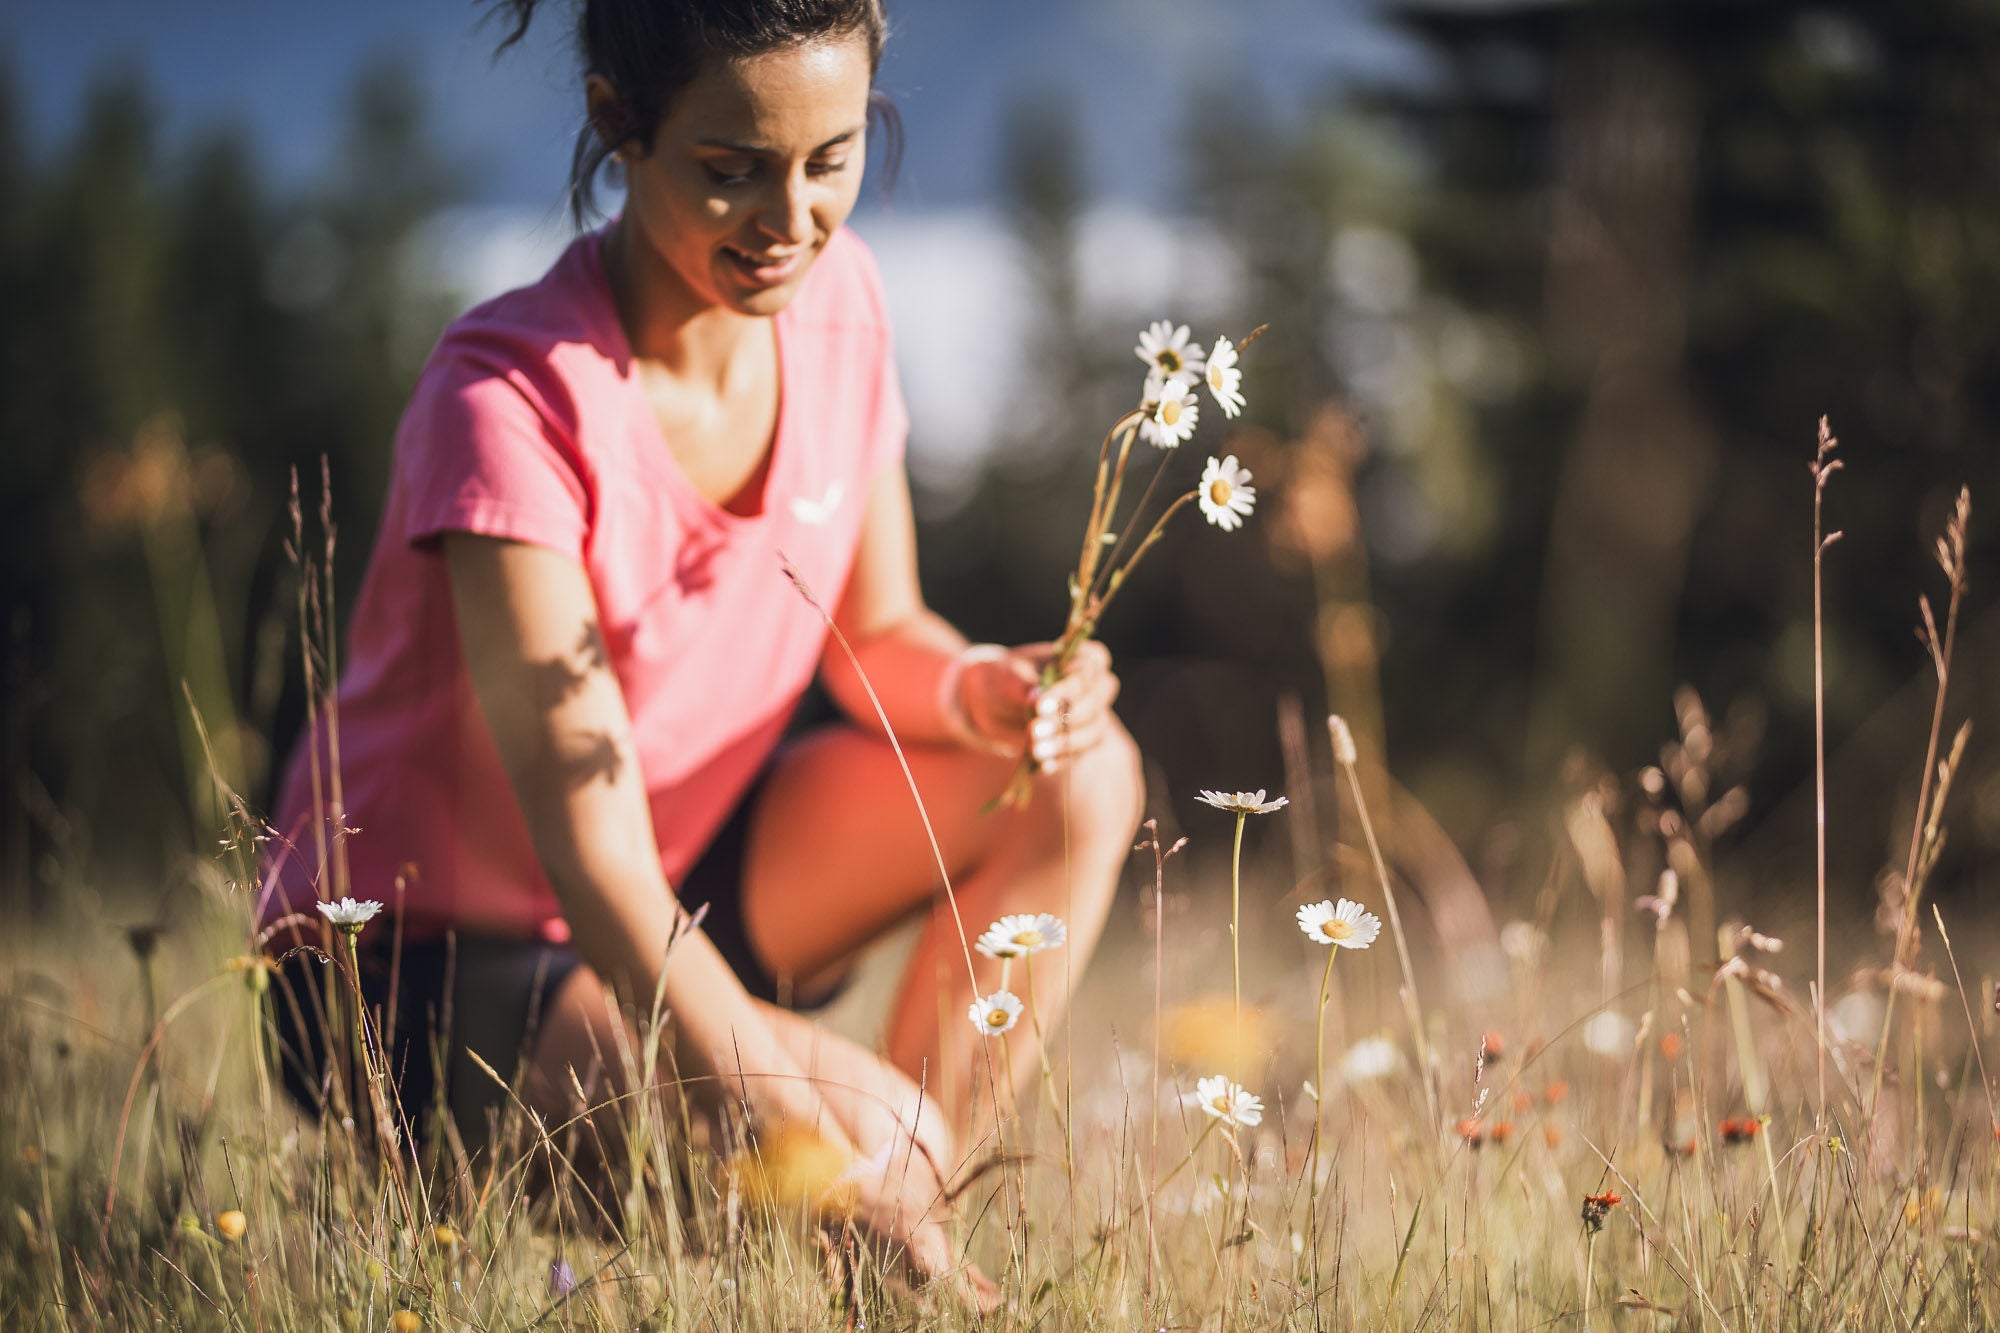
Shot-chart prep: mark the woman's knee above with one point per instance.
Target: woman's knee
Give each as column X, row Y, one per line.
column 1103, row 794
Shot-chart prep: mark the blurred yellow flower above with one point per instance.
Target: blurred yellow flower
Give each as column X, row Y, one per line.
column 1202, row 1034
column 405, row 1321
column 794, row 1167
column 232, row 1224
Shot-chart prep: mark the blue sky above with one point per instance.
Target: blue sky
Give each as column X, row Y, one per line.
column 281, row 71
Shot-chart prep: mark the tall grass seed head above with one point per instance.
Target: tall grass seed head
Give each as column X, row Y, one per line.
column 1226, row 496
column 1342, row 736
column 1346, row 926
column 996, row 1013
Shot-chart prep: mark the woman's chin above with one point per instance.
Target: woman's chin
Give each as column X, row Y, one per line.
column 753, row 290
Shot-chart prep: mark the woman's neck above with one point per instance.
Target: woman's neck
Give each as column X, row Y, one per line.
column 664, row 322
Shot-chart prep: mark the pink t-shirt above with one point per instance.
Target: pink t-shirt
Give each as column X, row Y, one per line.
column 529, row 423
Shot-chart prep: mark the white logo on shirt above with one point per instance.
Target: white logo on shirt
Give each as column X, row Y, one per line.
column 817, row 512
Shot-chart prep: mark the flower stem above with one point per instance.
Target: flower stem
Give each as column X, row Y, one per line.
column 1048, row 1072
column 1236, row 948
column 1411, row 1005
column 1319, row 1105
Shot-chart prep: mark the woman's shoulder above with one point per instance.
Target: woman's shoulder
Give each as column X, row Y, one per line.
column 561, row 321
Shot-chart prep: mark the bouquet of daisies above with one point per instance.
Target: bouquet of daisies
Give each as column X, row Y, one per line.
column 1166, row 417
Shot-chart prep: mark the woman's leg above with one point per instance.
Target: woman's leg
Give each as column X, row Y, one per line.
column 837, row 855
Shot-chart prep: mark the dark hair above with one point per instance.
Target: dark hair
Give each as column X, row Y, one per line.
column 648, row 50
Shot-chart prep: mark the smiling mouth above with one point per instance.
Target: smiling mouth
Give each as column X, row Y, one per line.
column 764, row 270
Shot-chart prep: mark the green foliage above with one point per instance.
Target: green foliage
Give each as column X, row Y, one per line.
column 173, row 342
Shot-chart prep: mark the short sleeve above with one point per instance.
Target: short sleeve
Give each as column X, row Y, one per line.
column 892, row 414
column 475, row 454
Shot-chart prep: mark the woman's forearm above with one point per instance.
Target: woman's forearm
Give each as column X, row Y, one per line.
column 621, row 919
column 905, row 663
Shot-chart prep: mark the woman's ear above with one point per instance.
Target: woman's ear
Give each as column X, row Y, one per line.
column 608, row 116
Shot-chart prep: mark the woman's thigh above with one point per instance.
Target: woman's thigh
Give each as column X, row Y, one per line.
column 838, row 853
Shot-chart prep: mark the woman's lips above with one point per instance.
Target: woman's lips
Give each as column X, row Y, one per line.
column 763, row 270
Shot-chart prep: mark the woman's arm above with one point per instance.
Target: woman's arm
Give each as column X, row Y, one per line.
column 908, row 653
column 527, row 623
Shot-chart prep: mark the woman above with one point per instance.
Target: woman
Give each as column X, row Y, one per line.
column 576, row 649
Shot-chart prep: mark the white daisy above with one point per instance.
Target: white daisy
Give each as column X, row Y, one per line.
column 350, row 914
column 995, row 1014
column 1370, row 1059
column 1171, row 413
column 1243, row 802
column 1524, row 942
column 1166, row 349
column 1226, row 494
column 1348, row 926
column 1225, row 381
column 1227, row 1101
column 1609, row 1034
column 1021, row 934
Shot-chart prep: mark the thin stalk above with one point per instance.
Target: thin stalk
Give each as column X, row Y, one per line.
column 1103, row 505
column 1048, row 1071
column 1412, row 1007
column 1823, row 468
column 1319, row 1107
column 1236, row 950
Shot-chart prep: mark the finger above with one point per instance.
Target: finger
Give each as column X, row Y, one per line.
column 1077, row 699
column 1064, row 743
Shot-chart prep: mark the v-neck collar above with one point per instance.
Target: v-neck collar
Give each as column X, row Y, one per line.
column 660, row 458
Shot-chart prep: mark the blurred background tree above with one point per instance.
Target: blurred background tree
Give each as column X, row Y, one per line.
column 1552, row 317
column 173, row 343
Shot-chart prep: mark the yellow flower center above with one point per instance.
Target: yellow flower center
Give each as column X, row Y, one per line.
column 1215, row 378
column 1220, row 490
column 1335, row 929
column 1029, row 939
column 1170, row 412
column 1221, row 1104
column 996, row 1018
column 1169, row 360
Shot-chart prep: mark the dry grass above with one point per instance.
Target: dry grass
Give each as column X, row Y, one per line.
column 1596, row 1121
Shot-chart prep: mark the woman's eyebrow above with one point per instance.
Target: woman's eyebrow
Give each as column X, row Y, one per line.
column 764, row 150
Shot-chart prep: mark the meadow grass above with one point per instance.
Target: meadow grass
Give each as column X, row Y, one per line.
column 1617, row 1113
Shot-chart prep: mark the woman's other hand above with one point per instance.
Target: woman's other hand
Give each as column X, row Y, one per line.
column 1004, row 703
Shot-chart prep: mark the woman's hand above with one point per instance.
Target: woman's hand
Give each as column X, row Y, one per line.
column 1003, row 702
column 901, row 1148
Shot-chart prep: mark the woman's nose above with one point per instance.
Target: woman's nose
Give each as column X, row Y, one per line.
column 787, row 214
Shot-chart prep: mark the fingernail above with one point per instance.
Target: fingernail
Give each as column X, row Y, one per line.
column 1044, row 751
column 1047, row 704
column 1044, row 728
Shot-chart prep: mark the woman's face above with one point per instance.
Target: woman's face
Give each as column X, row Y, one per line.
column 755, row 165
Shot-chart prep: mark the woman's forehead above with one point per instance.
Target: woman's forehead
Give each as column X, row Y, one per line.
column 795, row 99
